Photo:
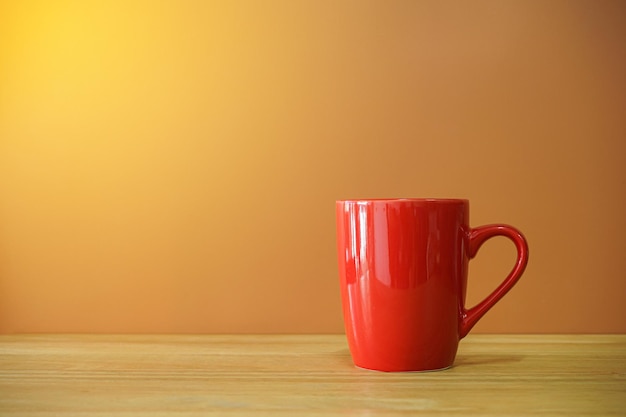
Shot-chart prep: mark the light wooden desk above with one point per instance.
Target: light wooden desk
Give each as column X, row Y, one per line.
column 85, row 375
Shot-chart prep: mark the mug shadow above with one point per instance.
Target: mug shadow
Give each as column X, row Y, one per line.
column 486, row 359
column 462, row 360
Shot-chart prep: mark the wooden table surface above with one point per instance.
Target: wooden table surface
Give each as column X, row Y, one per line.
column 494, row 375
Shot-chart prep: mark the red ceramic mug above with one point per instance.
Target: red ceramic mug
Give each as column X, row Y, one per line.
column 403, row 271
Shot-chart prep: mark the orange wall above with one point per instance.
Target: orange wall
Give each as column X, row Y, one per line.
column 172, row 166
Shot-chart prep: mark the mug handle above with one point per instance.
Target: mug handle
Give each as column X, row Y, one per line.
column 476, row 238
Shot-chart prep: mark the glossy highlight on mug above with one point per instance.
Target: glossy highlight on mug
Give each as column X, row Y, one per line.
column 403, row 274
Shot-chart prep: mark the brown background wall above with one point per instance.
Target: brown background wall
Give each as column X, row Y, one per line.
column 173, row 166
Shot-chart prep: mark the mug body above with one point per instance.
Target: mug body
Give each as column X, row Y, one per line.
column 403, row 271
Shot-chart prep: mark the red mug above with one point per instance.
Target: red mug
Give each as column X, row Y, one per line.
column 403, row 273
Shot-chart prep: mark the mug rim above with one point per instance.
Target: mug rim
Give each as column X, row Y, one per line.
column 405, row 200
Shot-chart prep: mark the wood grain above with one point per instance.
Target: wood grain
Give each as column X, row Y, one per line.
column 241, row 375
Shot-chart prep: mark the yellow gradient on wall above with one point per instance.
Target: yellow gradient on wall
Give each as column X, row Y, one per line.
column 172, row 166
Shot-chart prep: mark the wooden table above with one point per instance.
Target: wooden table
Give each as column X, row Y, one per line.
column 83, row 375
